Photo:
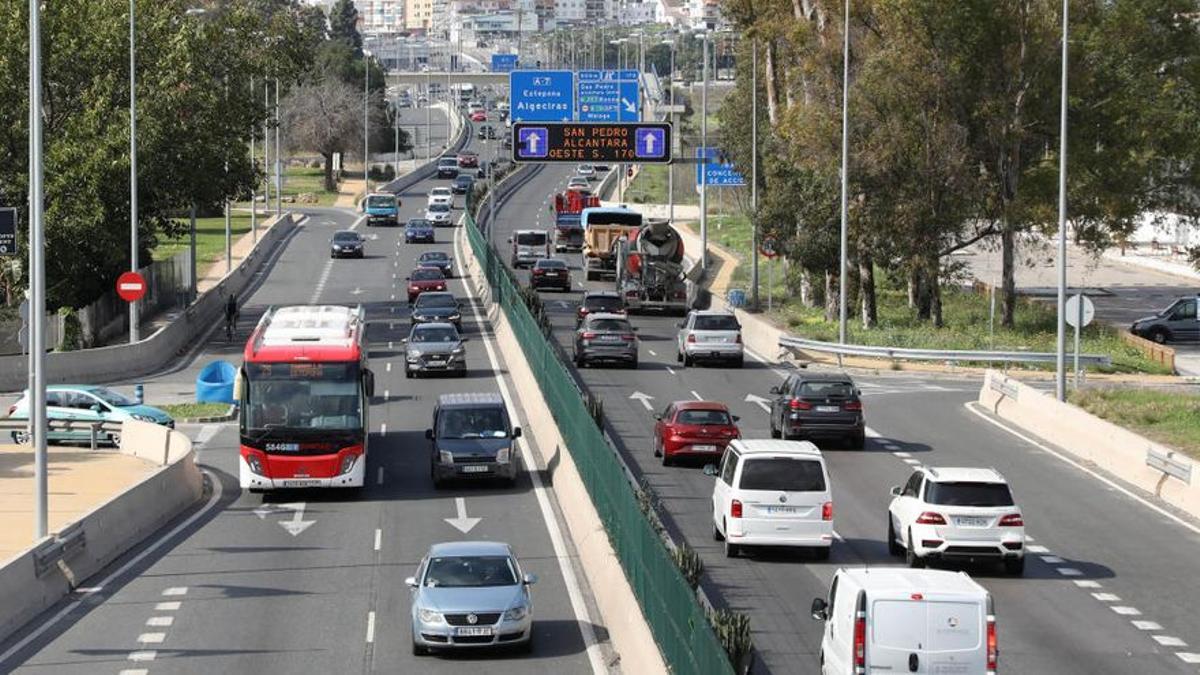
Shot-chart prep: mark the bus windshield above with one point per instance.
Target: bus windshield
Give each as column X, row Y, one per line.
column 317, row 397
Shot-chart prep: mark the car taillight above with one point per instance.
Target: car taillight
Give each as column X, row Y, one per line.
column 691, row 337
column 589, row 336
column 583, row 311
column 797, row 404
column 538, row 272
column 738, row 339
column 827, row 511
column 631, row 294
column 852, row 405
column 860, row 642
column 735, row 509
column 414, row 288
column 993, row 652
column 1012, row 520
column 629, row 338
column 931, row 518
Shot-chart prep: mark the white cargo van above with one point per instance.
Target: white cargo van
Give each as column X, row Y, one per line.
column 529, row 246
column 896, row 620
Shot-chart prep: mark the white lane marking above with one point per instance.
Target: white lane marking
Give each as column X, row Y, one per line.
column 912, row 462
column 1188, row 657
column 1069, row 571
column 389, row 367
column 1029, row 537
column 1169, row 641
column 143, row 655
column 387, row 393
column 1106, row 597
column 1087, row 583
column 370, row 627
column 697, row 396
column 358, row 222
column 1126, row 611
column 1036, row 548
column 321, row 280
column 160, row 621
column 378, row 538
column 652, row 353
column 1052, row 559
column 390, row 346
column 205, row 435
column 168, row 606
column 539, row 490
column 902, row 455
column 152, row 638
column 383, row 429
column 379, row 476
column 134, row 671
column 670, row 371
column 176, row 590
column 393, row 296
column 1146, row 625
column 1037, row 444
column 84, row 590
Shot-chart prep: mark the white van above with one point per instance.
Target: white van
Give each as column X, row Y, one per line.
column 897, row 620
column 528, row 247
column 772, row 493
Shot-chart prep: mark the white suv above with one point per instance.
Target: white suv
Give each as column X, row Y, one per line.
column 772, row 493
column 947, row 513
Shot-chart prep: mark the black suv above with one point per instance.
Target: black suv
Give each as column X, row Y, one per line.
column 472, row 437
column 818, row 405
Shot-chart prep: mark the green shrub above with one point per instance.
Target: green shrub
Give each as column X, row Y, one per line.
column 72, row 338
column 690, row 564
column 733, row 630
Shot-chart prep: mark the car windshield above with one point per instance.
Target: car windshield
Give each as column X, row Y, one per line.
column 704, row 417
column 604, row 304
column 439, row 192
column 783, row 474
column 427, row 274
column 610, row 325
column 531, row 239
column 436, row 301
column 716, row 323
column 439, row 208
column 448, row 161
column 470, row 572
column 380, row 202
column 112, row 398
column 487, row 422
column 551, row 264
column 428, row 334
column 826, row 389
column 418, row 224
column 434, row 256
column 968, row 494
column 345, row 237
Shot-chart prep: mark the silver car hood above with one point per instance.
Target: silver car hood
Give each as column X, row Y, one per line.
column 477, row 599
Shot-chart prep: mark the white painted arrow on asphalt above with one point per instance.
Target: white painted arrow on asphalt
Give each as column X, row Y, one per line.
column 294, row 526
column 761, row 402
column 644, row 398
column 462, row 523
column 357, row 291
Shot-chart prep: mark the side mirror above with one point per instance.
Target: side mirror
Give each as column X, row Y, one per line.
column 657, row 416
column 403, row 340
column 510, row 240
column 776, row 390
column 429, row 434
column 896, row 490
column 408, row 278
column 530, row 579
column 411, row 582
column 820, row 609
column 464, row 339
column 95, row 407
column 369, row 381
column 516, row 432
column 736, row 418
column 710, row 469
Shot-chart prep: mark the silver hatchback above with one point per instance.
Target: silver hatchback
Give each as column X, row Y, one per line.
column 709, row 336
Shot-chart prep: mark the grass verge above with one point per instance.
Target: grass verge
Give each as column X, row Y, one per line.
column 1169, row 417
column 210, row 240
column 183, row 411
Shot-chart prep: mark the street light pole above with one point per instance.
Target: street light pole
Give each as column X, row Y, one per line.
column 704, row 158
column 253, row 186
column 366, row 120
column 428, row 116
column 754, row 172
column 37, row 279
column 1060, row 379
column 671, row 169
column 134, row 319
column 278, row 158
column 266, row 145
column 845, row 236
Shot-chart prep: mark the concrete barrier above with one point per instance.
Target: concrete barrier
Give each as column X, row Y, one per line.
column 34, row 580
column 102, row 364
column 1112, row 448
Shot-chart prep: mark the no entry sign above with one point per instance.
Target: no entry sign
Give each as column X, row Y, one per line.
column 131, row 286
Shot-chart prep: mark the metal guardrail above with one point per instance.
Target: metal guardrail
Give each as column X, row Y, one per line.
column 898, row 353
column 1170, row 462
column 65, row 544
column 18, row 430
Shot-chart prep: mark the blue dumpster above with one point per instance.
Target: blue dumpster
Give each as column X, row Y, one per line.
column 737, row 297
column 214, row 384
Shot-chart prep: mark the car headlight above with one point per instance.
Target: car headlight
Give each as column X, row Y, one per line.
column 413, row 356
column 430, row 616
column 337, row 248
column 255, row 464
column 454, row 317
column 458, row 351
column 347, row 464
column 142, row 418
column 445, row 457
column 516, row 613
column 502, row 456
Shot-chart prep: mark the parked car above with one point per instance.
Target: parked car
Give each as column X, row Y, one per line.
column 439, row 260
column 550, row 273
column 772, row 493
column 586, row 171
column 693, row 429
column 435, row 307
column 86, row 404
column 438, row 214
column 346, row 243
column 603, row 302
column 816, row 406
column 442, row 195
column 424, row 279
column 1176, row 323
column 709, row 335
column 468, row 595
column 893, row 620
column 419, row 230
column 479, row 116
column 961, row 514
column 468, row 159
column 606, row 338
column 434, row 347
column 447, row 167
column 472, row 437
column 462, row 184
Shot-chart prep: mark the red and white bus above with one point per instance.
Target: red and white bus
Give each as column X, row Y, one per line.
column 304, row 392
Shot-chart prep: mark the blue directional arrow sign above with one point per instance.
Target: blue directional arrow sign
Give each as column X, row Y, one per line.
column 533, row 142
column 541, row 95
column 609, row 96
column 651, row 143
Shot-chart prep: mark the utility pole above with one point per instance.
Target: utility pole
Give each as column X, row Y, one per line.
column 1060, row 379
column 845, row 236
column 253, row 186
column 366, row 121
column 266, row 145
column 278, row 158
column 37, row 280
column 671, row 169
column 704, row 158
column 134, row 319
column 754, row 172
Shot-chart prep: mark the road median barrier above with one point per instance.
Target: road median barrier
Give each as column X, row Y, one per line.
column 1135, row 459
column 37, row 578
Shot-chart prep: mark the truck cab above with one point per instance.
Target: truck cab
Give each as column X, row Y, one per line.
column 568, row 228
column 382, row 208
column 529, row 246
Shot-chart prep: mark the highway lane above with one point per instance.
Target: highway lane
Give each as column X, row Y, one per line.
column 1126, row 553
column 254, row 598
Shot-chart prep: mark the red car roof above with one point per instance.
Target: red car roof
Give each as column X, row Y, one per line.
column 700, row 405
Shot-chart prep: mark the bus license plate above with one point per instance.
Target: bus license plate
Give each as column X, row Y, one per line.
column 475, row 468
column 300, row 483
column 473, row 631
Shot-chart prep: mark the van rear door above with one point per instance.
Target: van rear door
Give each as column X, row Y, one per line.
column 937, row 635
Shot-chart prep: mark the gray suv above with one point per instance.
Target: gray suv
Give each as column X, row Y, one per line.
column 1177, row 323
column 606, row 337
column 472, row 437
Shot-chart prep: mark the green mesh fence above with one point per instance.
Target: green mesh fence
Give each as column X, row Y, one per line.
column 676, row 618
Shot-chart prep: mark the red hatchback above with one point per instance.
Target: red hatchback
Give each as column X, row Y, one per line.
column 479, row 116
column 694, row 429
column 425, row 279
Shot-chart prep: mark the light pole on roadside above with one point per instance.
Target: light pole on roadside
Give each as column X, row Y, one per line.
column 278, row 158
column 366, row 121
column 845, row 232
column 1060, row 359
column 754, row 173
column 253, row 169
column 671, row 113
column 134, row 319
column 37, row 280
column 704, row 156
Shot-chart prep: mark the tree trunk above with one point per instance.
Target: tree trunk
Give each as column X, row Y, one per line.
column 808, row 293
column 330, row 183
column 772, row 89
column 1008, row 282
column 914, row 286
column 866, row 291
column 933, row 290
column 831, row 297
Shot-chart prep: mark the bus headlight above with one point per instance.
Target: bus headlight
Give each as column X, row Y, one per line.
column 446, row 457
column 255, row 464
column 347, row 464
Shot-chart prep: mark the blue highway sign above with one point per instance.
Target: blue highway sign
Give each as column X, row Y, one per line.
column 541, row 95
column 504, row 63
column 651, row 143
column 716, row 174
column 609, row 96
column 532, row 142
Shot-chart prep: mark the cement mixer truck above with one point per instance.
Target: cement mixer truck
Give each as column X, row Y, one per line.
column 650, row 271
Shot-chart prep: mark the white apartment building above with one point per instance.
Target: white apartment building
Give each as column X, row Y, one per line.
column 380, row 16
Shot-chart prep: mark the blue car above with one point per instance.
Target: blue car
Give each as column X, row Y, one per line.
column 418, row 230
column 85, row 403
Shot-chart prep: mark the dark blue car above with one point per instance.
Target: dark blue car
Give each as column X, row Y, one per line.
column 418, row 230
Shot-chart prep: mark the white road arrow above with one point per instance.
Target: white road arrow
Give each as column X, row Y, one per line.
column 533, row 144
column 462, row 523
column 630, row 106
column 357, row 291
column 760, row 402
column 644, row 398
column 297, row 524
column 650, row 144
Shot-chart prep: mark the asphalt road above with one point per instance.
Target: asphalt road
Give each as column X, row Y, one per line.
column 235, row 592
column 1108, row 590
